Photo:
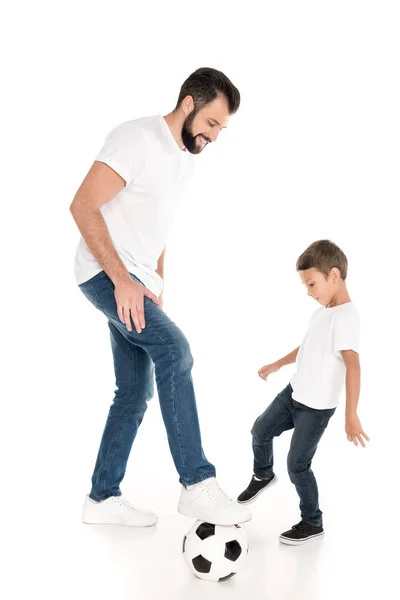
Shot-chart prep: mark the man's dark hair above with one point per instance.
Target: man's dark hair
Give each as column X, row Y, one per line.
column 205, row 84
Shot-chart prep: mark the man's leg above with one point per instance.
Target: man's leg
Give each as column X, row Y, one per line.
column 169, row 350
column 134, row 381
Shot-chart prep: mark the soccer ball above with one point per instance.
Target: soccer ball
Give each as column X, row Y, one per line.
column 215, row 552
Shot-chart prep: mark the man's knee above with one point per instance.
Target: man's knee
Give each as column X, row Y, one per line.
column 182, row 354
column 173, row 354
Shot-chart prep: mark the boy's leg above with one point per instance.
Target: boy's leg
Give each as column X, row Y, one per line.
column 309, row 426
column 271, row 423
column 276, row 419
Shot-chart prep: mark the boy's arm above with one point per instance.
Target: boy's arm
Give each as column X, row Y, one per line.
column 272, row 368
column 288, row 359
column 354, row 430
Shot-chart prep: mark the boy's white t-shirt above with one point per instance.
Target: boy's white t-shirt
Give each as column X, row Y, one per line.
column 320, row 376
column 156, row 171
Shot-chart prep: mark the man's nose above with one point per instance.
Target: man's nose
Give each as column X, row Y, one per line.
column 213, row 135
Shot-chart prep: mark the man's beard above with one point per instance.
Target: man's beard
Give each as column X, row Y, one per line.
column 190, row 140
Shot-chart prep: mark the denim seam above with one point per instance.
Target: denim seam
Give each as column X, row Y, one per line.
column 175, row 420
column 302, row 476
column 122, row 424
column 277, row 425
column 268, row 439
column 96, row 294
column 176, row 423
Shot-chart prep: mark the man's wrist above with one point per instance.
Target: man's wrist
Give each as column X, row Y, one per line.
column 122, row 277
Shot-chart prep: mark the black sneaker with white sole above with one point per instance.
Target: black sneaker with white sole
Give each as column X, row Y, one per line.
column 301, row 533
column 255, row 488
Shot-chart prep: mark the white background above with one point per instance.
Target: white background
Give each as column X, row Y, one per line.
column 312, row 153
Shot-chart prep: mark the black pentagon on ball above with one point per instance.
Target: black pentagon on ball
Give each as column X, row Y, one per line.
column 233, row 550
column 205, row 530
column 184, row 543
column 201, row 564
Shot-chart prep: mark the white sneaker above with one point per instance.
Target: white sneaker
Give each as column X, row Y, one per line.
column 206, row 501
column 116, row 511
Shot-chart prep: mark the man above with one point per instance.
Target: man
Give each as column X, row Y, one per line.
column 123, row 210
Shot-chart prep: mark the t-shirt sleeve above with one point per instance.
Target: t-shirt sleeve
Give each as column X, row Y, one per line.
column 346, row 332
column 125, row 151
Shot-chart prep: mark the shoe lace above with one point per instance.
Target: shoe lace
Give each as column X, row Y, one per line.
column 300, row 526
column 217, row 493
column 123, row 502
column 253, row 483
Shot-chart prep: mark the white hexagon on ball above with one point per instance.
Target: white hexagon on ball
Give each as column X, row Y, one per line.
column 215, row 552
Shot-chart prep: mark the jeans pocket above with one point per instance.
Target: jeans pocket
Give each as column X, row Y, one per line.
column 136, row 279
column 88, row 290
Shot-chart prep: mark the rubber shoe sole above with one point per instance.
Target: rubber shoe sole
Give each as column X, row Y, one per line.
column 271, row 483
column 291, row 542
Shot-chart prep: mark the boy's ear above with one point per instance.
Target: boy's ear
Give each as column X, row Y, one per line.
column 335, row 274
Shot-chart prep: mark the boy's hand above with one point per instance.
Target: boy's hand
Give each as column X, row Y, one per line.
column 267, row 370
column 354, row 431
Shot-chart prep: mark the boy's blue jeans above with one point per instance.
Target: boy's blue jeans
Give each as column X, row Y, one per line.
column 309, row 424
column 161, row 348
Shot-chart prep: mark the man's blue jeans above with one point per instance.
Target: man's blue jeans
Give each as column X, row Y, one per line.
column 161, row 347
column 309, row 425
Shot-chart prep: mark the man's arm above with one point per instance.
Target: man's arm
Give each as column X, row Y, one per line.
column 160, row 264
column 160, row 271
column 100, row 185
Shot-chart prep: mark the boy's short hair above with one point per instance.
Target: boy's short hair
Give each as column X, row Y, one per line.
column 323, row 255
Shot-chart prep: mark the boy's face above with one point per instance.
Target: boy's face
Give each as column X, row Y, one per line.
column 320, row 286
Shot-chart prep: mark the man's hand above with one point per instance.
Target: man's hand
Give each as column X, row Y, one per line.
column 354, row 431
column 267, row 370
column 129, row 295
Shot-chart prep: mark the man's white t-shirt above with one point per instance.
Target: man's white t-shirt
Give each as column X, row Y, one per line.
column 156, row 171
column 320, row 376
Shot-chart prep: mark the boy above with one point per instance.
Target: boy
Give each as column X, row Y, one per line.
column 326, row 360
